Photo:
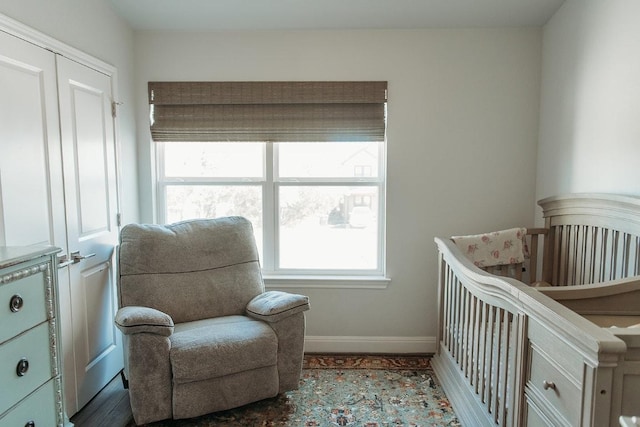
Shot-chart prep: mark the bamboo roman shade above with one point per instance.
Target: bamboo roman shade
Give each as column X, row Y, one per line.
column 268, row 111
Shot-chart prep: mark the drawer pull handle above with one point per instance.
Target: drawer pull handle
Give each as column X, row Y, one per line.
column 30, row 424
column 16, row 303
column 548, row 385
column 23, row 367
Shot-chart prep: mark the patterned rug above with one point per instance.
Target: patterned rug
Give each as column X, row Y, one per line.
column 339, row 390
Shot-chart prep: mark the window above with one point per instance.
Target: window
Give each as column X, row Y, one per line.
column 317, row 207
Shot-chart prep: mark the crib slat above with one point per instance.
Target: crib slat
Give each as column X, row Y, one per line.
column 452, row 313
column 442, row 286
column 578, row 255
column 504, row 361
column 456, row 320
column 459, row 317
column 549, row 252
column 464, row 330
column 595, row 263
column 475, row 342
column 575, row 255
column 584, row 255
column 488, row 362
column 561, row 255
column 495, row 378
column 449, row 310
column 533, row 260
column 481, row 350
column 636, row 256
column 626, row 248
column 591, row 248
column 613, row 259
column 600, row 256
column 517, row 366
column 459, row 328
column 447, row 313
column 567, row 241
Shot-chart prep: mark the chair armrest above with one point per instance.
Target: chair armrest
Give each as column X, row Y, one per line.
column 273, row 306
column 135, row 319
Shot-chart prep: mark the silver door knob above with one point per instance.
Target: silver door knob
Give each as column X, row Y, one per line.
column 77, row 257
column 64, row 261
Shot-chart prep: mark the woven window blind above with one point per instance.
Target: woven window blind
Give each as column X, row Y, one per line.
column 268, row 111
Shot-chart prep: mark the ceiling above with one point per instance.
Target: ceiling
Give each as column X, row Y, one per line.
column 221, row 15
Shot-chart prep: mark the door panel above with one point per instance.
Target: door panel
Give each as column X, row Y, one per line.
column 96, row 317
column 88, row 148
column 31, row 188
column 92, row 172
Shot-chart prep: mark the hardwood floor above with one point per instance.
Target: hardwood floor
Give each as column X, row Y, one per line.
column 110, row 408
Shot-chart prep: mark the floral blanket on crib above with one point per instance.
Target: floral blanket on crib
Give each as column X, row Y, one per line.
column 497, row 248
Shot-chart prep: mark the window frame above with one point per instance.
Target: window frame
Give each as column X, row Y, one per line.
column 270, row 184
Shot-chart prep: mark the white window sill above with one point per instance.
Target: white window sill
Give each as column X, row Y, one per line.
column 326, row 282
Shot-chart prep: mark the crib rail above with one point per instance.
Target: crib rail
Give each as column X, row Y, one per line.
column 591, row 239
column 482, row 334
column 485, row 341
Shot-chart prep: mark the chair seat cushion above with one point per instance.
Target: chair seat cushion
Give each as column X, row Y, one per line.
column 212, row 348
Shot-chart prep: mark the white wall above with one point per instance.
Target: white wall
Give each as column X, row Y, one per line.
column 462, row 133
column 92, row 27
column 590, row 99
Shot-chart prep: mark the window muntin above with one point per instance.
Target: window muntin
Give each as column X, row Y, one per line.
column 313, row 210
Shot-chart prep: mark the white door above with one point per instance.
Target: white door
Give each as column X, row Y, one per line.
column 31, row 189
column 90, row 188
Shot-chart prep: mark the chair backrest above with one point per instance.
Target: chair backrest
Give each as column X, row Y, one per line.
column 190, row 270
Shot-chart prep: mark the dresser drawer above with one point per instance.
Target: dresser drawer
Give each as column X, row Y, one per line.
column 22, row 304
column 32, row 346
column 535, row 417
column 554, row 376
column 555, row 387
column 39, row 407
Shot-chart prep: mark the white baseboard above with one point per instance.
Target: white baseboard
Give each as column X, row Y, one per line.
column 347, row 344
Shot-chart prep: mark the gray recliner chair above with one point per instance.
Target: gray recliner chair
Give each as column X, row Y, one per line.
column 201, row 334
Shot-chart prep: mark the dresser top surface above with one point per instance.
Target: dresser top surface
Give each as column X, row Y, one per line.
column 11, row 255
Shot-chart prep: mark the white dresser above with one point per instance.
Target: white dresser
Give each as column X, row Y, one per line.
column 30, row 366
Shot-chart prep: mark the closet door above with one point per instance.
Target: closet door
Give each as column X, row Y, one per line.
column 31, row 189
column 88, row 151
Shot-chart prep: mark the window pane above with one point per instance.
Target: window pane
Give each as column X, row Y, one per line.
column 328, row 227
column 213, row 201
column 214, row 159
column 327, row 159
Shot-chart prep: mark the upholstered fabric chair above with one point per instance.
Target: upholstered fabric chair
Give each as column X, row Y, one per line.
column 200, row 332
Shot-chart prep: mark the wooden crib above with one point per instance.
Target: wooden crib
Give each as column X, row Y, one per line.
column 563, row 352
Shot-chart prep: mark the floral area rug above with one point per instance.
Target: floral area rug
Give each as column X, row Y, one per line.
column 356, row 391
